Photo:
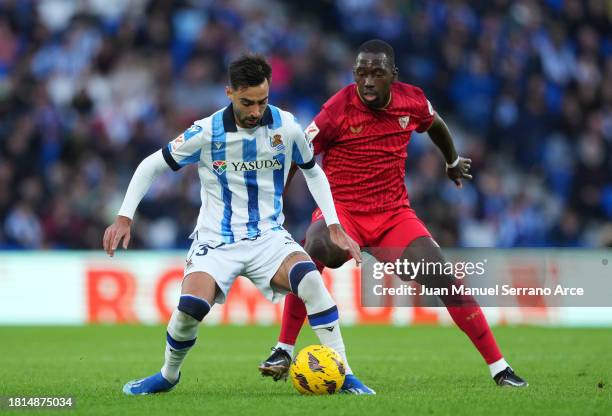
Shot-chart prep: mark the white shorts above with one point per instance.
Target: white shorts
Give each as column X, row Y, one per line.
column 257, row 260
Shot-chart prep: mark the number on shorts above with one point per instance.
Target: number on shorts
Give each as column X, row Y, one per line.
column 202, row 250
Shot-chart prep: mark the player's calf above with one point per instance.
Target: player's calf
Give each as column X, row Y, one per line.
column 181, row 335
column 306, row 282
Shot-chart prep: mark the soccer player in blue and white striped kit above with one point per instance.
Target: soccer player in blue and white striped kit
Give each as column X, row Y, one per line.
column 243, row 154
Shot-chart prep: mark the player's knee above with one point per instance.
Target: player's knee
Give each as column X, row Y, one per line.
column 298, row 272
column 322, row 250
column 316, row 248
column 307, row 284
column 193, row 307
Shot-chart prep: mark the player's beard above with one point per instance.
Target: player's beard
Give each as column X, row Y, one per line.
column 373, row 99
column 250, row 122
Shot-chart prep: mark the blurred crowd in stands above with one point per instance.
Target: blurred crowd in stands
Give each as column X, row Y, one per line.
column 88, row 88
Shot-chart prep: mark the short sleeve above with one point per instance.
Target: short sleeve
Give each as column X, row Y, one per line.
column 302, row 152
column 424, row 113
column 321, row 132
column 185, row 149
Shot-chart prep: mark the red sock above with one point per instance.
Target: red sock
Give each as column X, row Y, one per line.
column 294, row 314
column 472, row 321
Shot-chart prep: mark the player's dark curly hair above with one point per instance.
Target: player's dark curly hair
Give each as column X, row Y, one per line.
column 249, row 70
column 378, row 46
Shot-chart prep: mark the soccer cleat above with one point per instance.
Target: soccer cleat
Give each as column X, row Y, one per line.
column 352, row 385
column 150, row 385
column 276, row 365
column 508, row 378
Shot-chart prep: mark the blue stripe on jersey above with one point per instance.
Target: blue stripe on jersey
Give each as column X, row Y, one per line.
column 188, row 134
column 249, row 154
column 296, row 155
column 279, row 186
column 278, row 122
column 194, row 158
column 218, row 136
column 192, row 131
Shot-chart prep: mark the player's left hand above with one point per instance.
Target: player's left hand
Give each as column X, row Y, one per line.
column 461, row 171
column 340, row 238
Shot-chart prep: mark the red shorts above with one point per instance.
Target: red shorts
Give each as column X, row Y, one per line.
column 380, row 230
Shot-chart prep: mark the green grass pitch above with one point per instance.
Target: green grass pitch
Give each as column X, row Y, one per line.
column 415, row 370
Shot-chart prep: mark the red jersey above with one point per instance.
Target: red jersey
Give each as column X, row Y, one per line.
column 365, row 150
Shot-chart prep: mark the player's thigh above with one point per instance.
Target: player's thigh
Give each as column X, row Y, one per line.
column 426, row 251
column 399, row 235
column 318, row 243
column 270, row 256
column 201, row 285
column 211, row 270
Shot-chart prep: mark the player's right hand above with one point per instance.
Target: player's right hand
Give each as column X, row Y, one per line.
column 340, row 238
column 115, row 232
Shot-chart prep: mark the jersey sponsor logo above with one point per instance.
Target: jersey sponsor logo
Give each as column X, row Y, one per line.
column 276, row 142
column 403, row 121
column 356, row 130
column 221, row 166
column 311, row 131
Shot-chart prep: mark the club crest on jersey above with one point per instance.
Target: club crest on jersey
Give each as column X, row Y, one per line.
column 219, row 166
column 276, row 143
column 403, row 121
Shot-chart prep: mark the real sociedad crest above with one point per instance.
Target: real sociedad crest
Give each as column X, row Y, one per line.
column 276, row 143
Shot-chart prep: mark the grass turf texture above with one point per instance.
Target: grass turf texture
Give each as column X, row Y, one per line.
column 415, row 370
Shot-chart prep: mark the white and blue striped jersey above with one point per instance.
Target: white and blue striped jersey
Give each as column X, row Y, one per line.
column 242, row 171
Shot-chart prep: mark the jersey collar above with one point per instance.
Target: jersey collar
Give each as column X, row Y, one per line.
column 229, row 122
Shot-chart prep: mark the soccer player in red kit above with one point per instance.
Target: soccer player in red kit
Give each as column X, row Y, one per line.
column 363, row 132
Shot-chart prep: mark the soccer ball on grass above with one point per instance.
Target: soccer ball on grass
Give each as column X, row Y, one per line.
column 316, row 370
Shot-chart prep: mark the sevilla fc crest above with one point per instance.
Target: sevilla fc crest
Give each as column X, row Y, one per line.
column 403, row 121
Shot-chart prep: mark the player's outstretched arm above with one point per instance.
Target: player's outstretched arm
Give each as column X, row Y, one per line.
column 319, row 188
column 144, row 176
column 457, row 167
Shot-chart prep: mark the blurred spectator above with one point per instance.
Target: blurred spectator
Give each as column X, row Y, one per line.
column 89, row 88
